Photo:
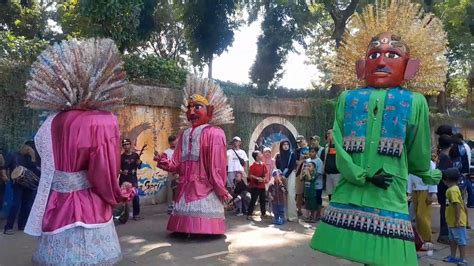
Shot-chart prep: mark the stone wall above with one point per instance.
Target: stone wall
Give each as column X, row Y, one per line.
column 161, row 108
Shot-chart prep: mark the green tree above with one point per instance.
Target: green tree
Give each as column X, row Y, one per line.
column 167, row 39
column 118, row 20
column 458, row 21
column 209, row 29
column 284, row 23
column 127, row 22
column 340, row 11
column 329, row 30
column 23, row 31
column 19, row 49
column 24, row 18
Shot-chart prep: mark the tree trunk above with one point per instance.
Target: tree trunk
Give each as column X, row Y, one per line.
column 339, row 28
column 209, row 66
column 441, row 102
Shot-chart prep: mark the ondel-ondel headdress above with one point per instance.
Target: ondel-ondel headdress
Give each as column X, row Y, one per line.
column 77, row 74
column 422, row 32
column 209, row 93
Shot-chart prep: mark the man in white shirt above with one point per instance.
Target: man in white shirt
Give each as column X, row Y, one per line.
column 422, row 197
column 172, row 177
column 236, row 161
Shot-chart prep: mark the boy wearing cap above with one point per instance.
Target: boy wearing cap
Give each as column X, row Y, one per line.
column 129, row 163
column 236, row 161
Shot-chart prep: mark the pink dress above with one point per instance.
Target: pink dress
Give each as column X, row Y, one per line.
column 72, row 212
column 200, row 160
column 270, row 164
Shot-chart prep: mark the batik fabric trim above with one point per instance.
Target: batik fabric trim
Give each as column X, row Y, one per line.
column 369, row 220
column 396, row 113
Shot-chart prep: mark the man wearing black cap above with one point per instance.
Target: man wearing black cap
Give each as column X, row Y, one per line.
column 129, row 163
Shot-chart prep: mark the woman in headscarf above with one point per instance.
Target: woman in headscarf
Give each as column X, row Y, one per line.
column 286, row 162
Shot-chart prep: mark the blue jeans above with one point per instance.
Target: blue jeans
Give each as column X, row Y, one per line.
column 279, row 213
column 22, row 201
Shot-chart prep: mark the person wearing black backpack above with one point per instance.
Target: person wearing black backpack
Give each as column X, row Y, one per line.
column 236, row 161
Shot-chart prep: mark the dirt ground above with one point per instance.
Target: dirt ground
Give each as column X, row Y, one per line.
column 146, row 242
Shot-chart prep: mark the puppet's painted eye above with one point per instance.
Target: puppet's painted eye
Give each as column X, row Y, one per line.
column 374, row 55
column 392, row 55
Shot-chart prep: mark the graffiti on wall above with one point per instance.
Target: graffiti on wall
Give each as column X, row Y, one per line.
column 152, row 126
column 269, row 132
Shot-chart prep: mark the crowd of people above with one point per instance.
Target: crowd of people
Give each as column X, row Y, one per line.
column 289, row 184
column 454, row 193
column 380, row 135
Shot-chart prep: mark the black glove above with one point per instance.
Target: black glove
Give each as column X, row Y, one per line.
column 381, row 180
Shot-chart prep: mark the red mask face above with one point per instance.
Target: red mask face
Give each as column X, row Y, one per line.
column 386, row 62
column 198, row 114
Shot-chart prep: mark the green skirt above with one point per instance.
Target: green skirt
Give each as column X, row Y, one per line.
column 363, row 247
column 311, row 203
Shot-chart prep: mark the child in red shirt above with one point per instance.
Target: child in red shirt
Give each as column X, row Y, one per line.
column 257, row 180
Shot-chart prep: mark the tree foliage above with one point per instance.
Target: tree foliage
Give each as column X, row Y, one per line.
column 24, row 19
column 167, row 38
column 153, row 69
column 23, row 31
column 284, row 23
column 19, row 49
column 458, row 20
column 118, row 20
column 209, row 28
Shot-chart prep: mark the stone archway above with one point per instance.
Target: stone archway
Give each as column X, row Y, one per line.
column 269, row 132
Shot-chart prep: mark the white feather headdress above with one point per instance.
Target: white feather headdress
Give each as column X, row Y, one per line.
column 223, row 113
column 77, row 74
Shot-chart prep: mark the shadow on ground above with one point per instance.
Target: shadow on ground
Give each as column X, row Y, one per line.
column 146, row 242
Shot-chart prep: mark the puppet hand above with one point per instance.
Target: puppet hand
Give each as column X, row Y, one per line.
column 226, row 198
column 157, row 156
column 381, row 180
column 162, row 160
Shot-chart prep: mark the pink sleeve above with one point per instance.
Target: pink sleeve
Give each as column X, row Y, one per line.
column 217, row 160
column 173, row 164
column 104, row 162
